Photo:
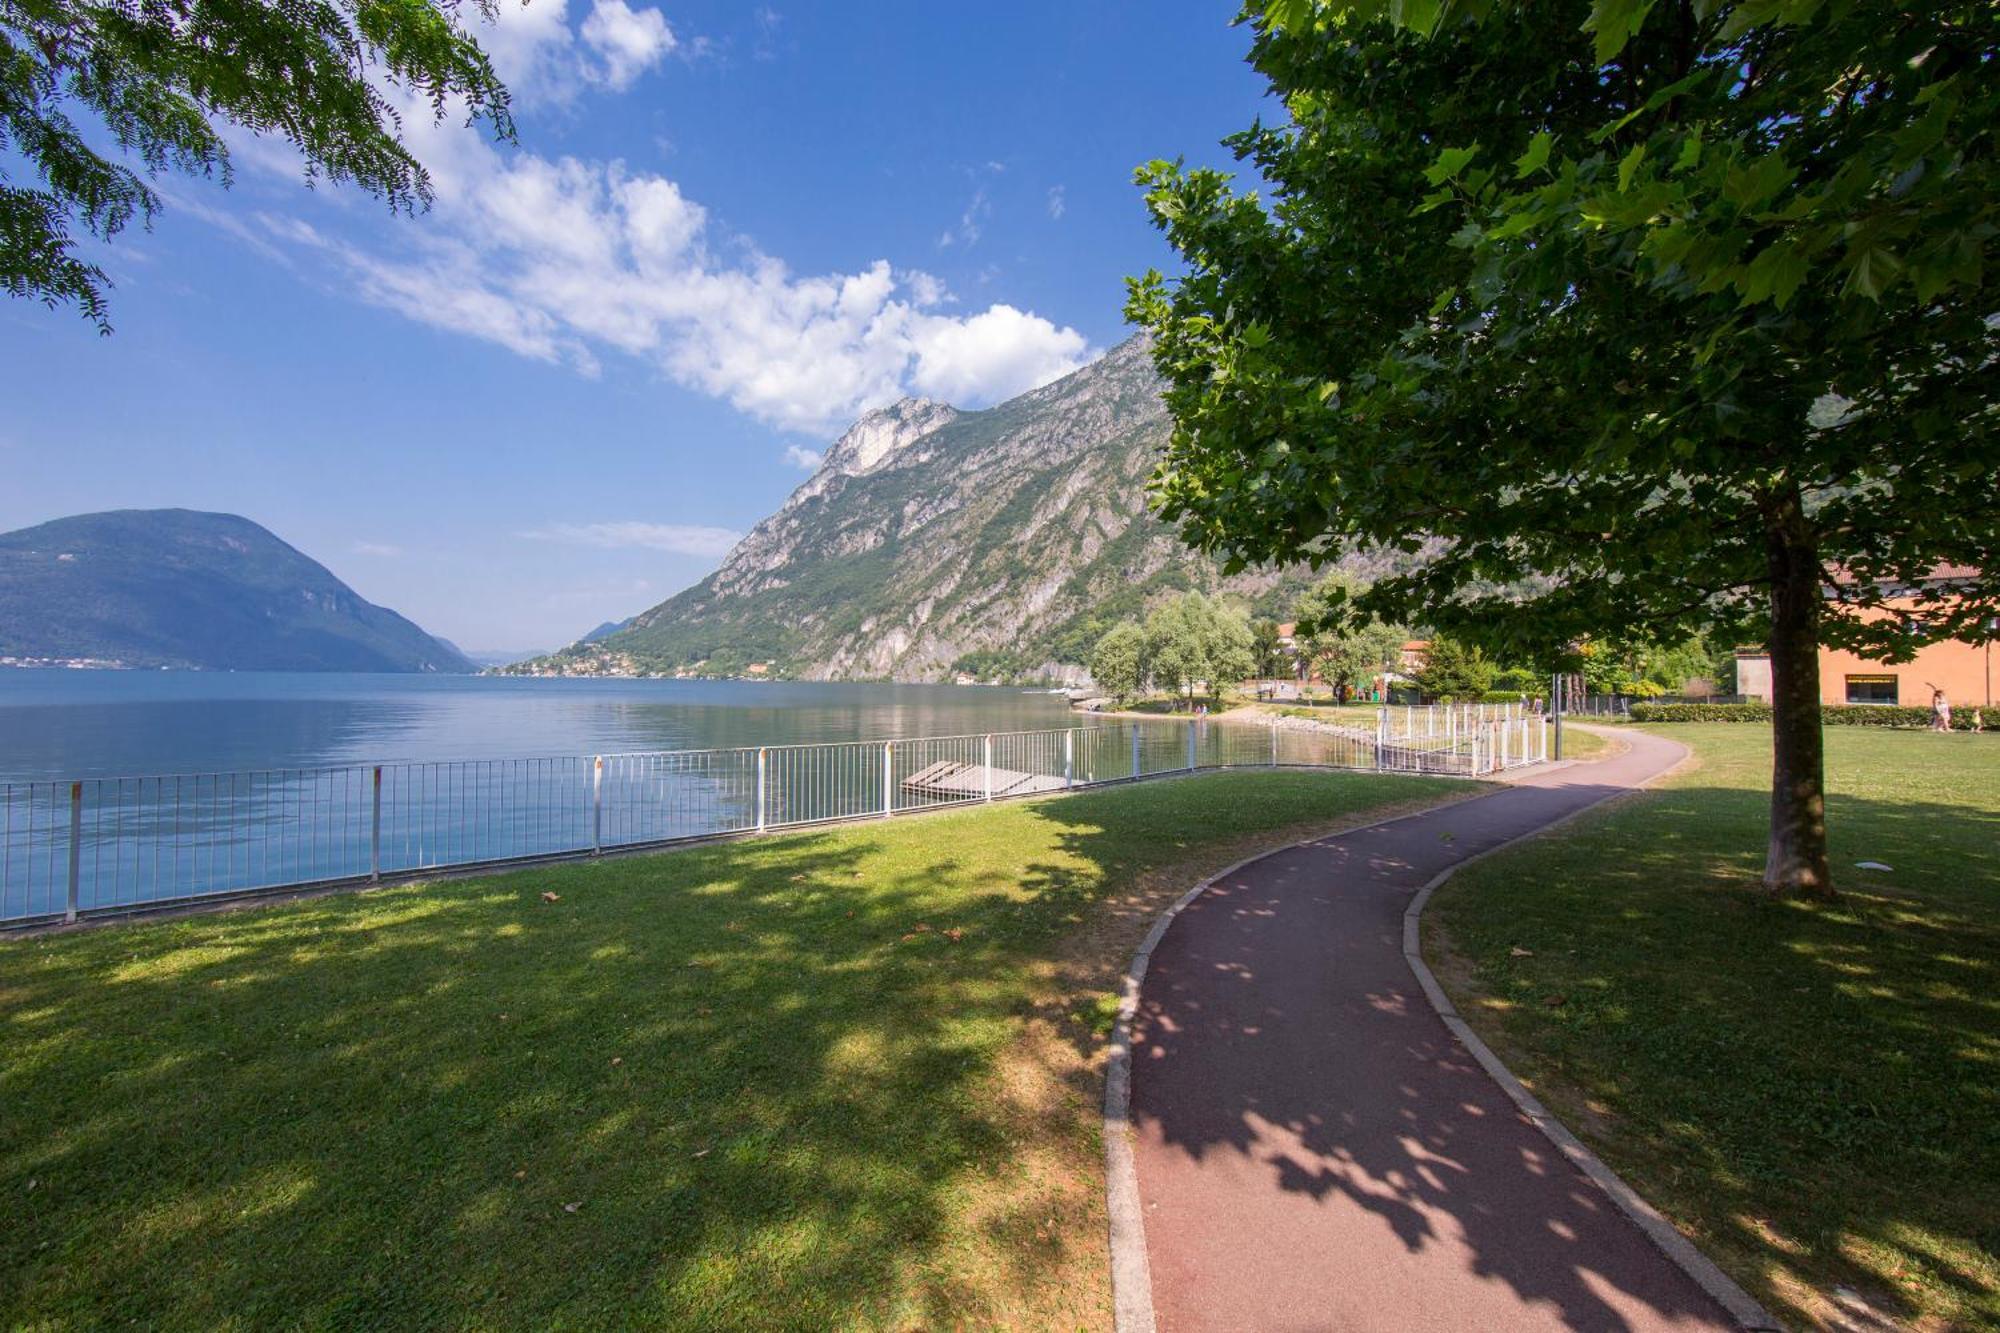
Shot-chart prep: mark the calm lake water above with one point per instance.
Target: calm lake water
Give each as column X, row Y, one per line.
column 185, row 785
column 79, row 724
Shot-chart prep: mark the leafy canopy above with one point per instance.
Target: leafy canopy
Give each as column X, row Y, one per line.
column 1344, row 653
column 99, row 96
column 1118, row 663
column 1454, row 672
column 1611, row 300
column 1191, row 640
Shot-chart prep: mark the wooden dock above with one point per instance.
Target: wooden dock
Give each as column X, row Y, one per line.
column 954, row 779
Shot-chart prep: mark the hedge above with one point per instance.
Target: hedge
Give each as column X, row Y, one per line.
column 1833, row 715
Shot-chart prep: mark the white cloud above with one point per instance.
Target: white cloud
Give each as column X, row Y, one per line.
column 538, row 55
column 380, row 550
column 768, row 21
column 558, row 259
column 971, row 223
column 675, row 538
column 630, row 41
column 806, row 460
column 958, row 356
column 1057, row 204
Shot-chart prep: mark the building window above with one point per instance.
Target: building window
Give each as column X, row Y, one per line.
column 1871, row 689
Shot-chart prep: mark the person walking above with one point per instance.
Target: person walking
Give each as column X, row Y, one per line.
column 1940, row 710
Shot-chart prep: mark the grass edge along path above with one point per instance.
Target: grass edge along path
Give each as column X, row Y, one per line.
column 1809, row 1092
column 837, row 1078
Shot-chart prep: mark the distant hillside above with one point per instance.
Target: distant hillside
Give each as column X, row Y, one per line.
column 1008, row 538
column 606, row 630
column 180, row 588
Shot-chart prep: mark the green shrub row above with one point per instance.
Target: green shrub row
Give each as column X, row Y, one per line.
column 1833, row 715
column 1502, row 697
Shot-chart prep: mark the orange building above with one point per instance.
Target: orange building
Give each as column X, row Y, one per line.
column 1964, row 671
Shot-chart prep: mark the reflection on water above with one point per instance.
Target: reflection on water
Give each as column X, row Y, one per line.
column 69, row 724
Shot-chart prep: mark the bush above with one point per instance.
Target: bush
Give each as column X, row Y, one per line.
column 1701, row 712
column 1833, row 715
column 1501, row 697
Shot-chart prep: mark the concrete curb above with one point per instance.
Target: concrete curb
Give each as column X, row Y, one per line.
column 1131, row 1273
column 1678, row 1249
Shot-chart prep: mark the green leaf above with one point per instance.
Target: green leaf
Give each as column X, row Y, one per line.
column 1615, row 22
column 1449, row 163
column 1629, row 166
column 1419, row 16
column 1537, row 155
column 1517, row 222
column 1289, row 15
column 1775, row 273
column 1690, row 157
column 1873, row 270
column 1752, row 185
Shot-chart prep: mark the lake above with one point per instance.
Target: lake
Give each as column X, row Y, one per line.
column 80, row 724
column 127, row 789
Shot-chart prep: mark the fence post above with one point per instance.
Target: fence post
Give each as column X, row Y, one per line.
column 763, row 757
column 1556, row 705
column 1069, row 758
column 1382, row 738
column 75, row 848
column 1135, row 749
column 989, row 765
column 596, row 804
column 375, row 829
column 1274, row 742
column 1190, row 762
column 888, row 778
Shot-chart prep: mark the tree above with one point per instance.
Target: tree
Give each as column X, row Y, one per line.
column 1191, row 639
column 1346, row 655
column 1454, row 671
column 1661, row 317
column 1118, row 663
column 1267, row 649
column 162, row 76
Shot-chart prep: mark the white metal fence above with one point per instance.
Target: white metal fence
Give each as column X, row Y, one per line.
column 105, row 845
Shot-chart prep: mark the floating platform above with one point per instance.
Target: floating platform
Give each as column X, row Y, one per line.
column 953, row 778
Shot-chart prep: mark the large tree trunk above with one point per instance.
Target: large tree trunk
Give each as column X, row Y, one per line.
column 1796, row 865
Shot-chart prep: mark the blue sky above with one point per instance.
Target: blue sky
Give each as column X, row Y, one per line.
column 725, row 230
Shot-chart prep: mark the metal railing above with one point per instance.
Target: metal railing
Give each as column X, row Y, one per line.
column 105, row 845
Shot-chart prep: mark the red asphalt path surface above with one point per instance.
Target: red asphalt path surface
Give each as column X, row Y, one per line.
column 1315, row 1150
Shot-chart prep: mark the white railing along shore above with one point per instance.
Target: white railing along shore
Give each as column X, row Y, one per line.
column 96, row 846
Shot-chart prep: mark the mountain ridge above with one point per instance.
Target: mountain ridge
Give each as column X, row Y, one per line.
column 185, row 588
column 930, row 536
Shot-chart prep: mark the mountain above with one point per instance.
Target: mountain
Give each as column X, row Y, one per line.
column 1003, row 540
column 606, row 630
column 488, row 657
column 180, row 588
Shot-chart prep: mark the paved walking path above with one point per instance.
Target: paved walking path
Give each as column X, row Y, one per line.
column 1315, row 1150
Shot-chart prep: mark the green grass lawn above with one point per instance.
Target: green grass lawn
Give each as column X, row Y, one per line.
column 827, row 1080
column 1581, row 744
column 1813, row 1092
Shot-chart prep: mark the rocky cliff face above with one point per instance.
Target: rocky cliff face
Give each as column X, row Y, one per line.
column 929, row 535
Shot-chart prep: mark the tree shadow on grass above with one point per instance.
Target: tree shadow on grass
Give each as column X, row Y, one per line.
column 1799, row 1085
column 465, row 1102
column 1810, row 1088
column 744, row 1085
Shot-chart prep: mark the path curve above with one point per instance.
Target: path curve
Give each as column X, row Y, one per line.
column 1312, row 1147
